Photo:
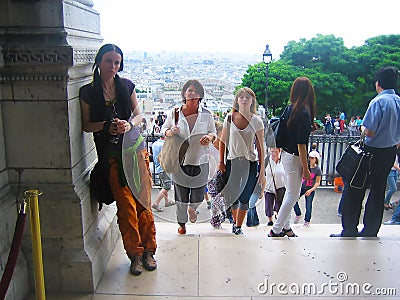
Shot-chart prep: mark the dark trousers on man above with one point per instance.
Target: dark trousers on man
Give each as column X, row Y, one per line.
column 382, row 162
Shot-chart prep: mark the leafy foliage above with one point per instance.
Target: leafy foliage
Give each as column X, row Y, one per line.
column 343, row 78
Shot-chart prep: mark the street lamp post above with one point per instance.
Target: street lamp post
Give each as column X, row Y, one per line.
column 267, row 58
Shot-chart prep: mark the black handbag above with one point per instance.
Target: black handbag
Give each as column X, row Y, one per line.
column 100, row 188
column 220, row 181
column 279, row 129
column 355, row 164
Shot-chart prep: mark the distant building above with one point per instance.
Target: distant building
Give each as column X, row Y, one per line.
column 217, row 105
column 228, row 98
column 172, row 96
column 145, row 100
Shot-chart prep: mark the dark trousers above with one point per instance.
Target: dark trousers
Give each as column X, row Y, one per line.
column 382, row 162
column 189, row 189
column 273, row 201
column 344, row 191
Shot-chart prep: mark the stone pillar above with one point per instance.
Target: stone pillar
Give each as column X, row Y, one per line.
column 47, row 51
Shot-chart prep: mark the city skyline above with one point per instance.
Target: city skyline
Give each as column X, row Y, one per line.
column 237, row 27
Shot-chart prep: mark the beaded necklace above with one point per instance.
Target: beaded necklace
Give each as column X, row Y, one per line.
column 109, row 100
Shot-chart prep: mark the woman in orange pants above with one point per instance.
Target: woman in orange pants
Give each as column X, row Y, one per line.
column 110, row 110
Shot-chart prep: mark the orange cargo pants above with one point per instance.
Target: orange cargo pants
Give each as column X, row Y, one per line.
column 135, row 218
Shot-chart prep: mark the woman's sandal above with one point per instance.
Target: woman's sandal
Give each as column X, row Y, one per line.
column 157, row 208
column 192, row 215
column 288, row 232
column 273, row 234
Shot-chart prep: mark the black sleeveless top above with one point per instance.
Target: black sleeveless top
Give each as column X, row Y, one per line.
column 100, row 110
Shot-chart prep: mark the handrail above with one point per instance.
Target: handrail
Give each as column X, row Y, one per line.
column 330, row 147
column 14, row 251
column 32, row 197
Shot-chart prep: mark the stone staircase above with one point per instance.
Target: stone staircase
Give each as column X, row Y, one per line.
column 215, row 264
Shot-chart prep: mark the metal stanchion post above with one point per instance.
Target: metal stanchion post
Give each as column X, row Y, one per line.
column 32, row 197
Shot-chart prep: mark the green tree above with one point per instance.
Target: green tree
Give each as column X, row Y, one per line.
column 254, row 78
column 342, row 77
column 319, row 59
column 321, row 52
column 376, row 52
column 280, row 77
column 323, row 59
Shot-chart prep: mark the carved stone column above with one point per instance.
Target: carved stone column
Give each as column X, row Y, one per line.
column 47, row 51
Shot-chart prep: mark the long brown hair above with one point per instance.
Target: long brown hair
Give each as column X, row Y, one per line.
column 241, row 91
column 302, row 95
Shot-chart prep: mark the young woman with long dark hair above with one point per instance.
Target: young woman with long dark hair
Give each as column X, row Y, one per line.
column 300, row 116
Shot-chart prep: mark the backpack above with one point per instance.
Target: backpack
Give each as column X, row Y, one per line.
column 279, row 128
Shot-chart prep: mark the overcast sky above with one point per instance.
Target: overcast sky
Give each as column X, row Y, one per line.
column 241, row 26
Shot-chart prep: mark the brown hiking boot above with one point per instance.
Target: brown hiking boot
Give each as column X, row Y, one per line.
column 149, row 263
column 136, row 267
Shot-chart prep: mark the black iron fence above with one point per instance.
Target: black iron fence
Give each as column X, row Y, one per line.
column 330, row 147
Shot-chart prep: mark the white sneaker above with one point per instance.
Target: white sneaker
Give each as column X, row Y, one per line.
column 296, row 219
column 306, row 224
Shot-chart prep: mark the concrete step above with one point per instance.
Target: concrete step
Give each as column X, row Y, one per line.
column 210, row 264
column 168, row 230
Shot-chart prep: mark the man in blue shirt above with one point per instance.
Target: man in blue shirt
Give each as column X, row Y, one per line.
column 382, row 130
column 164, row 178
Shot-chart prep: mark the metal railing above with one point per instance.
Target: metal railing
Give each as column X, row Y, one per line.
column 330, row 147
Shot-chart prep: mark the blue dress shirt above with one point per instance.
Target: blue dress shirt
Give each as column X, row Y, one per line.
column 382, row 117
